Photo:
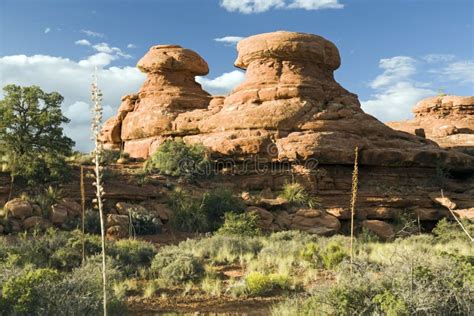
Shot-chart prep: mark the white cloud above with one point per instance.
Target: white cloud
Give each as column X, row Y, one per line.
column 395, row 102
column 460, row 71
column 438, row 58
column 105, row 48
column 92, row 33
column 395, row 69
column 47, row 30
column 230, row 40
column 223, row 84
column 258, row 6
column 83, row 42
column 73, row 79
column 315, row 4
column 396, row 91
column 131, row 45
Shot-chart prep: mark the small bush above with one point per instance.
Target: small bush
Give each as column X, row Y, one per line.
column 245, row 224
column 216, row 203
column 333, row 254
column 187, row 213
column 260, row 284
column 23, row 293
column 296, row 195
column 92, row 222
column 174, row 266
column 446, row 231
column 390, row 304
column 131, row 255
column 175, row 158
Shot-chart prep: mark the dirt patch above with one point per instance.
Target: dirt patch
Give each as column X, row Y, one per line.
column 201, row 305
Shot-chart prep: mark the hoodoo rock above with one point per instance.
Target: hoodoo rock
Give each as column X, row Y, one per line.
column 170, row 89
column 289, row 108
column 447, row 120
column 290, row 111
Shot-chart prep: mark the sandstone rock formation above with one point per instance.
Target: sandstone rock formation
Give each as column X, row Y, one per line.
column 170, row 89
column 447, row 120
column 289, row 108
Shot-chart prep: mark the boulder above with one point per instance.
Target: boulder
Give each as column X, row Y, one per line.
column 117, row 232
column 467, row 213
column 283, row 220
column 315, row 222
column 36, row 221
column 339, row 212
column 124, row 208
column 442, row 200
column 380, row 228
column 58, row 214
column 117, row 220
column 18, row 208
column 265, row 217
column 71, row 206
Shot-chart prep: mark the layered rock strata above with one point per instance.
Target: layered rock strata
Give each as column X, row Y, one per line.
column 447, row 120
column 289, row 108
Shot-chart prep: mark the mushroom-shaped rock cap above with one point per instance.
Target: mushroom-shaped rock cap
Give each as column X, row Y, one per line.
column 284, row 45
column 173, row 58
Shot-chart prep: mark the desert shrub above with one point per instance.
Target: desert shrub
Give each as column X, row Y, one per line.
column 92, row 222
column 261, row 284
column 175, row 158
column 310, row 252
column 187, row 213
column 145, row 223
column 390, row 304
column 80, row 292
column 110, row 156
column 131, row 255
column 203, row 214
column 174, row 266
column 245, row 224
column 216, row 203
column 23, row 293
column 47, row 199
column 446, row 231
column 296, row 195
column 333, row 254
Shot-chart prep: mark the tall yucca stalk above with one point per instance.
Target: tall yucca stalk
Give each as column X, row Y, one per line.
column 98, row 153
column 83, row 209
column 355, row 183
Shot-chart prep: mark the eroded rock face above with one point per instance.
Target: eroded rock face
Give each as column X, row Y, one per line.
column 447, row 120
column 170, row 89
column 289, row 108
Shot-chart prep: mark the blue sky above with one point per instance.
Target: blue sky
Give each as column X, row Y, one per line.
column 394, row 52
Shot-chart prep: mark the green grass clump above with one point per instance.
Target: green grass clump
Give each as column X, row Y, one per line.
column 296, row 195
column 259, row 284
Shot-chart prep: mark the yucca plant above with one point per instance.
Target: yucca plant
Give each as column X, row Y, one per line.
column 97, row 113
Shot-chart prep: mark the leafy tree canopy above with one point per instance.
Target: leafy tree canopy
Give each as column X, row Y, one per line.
column 32, row 142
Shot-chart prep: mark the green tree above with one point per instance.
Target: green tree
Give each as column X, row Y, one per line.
column 31, row 134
